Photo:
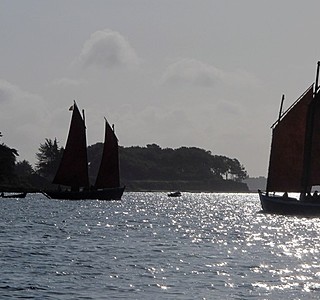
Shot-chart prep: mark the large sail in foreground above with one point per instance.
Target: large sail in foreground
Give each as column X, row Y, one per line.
column 286, row 167
column 295, row 158
column 73, row 169
column 108, row 175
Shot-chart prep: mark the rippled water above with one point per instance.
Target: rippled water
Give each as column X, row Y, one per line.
column 149, row 246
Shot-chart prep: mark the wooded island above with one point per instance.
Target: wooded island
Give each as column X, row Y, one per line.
column 149, row 168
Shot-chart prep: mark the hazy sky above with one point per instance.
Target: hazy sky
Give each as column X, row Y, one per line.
column 208, row 74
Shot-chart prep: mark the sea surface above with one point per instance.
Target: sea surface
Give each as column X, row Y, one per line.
column 150, row 246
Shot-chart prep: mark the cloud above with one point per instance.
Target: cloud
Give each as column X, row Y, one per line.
column 107, row 49
column 10, row 91
column 161, row 125
column 197, row 73
column 66, row 82
column 243, row 78
column 7, row 90
column 22, row 119
column 19, row 106
column 228, row 108
column 191, row 71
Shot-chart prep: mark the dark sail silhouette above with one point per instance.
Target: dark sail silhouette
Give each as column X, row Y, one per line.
column 73, row 169
column 294, row 164
column 288, row 145
column 108, row 175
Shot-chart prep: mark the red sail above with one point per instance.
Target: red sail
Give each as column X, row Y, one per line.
column 73, row 169
column 108, row 175
column 288, row 146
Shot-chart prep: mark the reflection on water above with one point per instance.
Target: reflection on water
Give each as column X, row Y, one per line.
column 198, row 246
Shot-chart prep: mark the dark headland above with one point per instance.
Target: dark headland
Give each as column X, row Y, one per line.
column 149, row 168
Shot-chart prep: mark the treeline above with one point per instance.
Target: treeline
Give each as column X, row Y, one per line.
column 185, row 163
column 12, row 173
column 141, row 168
column 152, row 168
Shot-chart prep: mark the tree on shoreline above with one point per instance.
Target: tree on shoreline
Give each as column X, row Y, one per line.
column 49, row 157
column 23, row 168
column 7, row 162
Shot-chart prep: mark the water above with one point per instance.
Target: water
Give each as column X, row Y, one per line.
column 149, row 246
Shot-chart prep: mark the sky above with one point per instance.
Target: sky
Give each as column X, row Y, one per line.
column 194, row 73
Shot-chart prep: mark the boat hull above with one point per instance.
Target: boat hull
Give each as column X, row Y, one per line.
column 288, row 206
column 174, row 194
column 103, row 194
column 21, row 195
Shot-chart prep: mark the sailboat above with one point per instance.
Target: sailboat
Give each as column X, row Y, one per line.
column 294, row 165
column 73, row 168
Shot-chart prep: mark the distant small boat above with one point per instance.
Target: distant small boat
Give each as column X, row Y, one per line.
column 20, row 195
column 73, row 169
column 174, row 194
column 294, row 164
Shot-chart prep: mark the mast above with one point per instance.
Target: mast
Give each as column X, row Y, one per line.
column 281, row 105
column 317, row 79
column 84, row 118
